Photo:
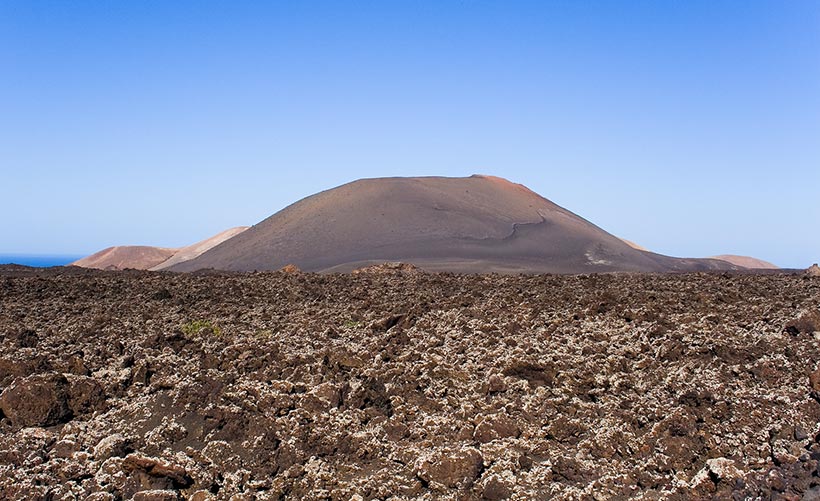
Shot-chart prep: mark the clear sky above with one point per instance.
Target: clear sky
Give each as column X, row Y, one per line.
column 690, row 127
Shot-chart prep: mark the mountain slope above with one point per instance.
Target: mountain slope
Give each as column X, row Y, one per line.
column 475, row 224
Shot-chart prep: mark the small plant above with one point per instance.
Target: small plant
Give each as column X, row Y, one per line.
column 352, row 324
column 200, row 326
column 264, row 333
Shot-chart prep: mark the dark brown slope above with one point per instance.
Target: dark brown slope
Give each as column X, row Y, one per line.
column 475, row 224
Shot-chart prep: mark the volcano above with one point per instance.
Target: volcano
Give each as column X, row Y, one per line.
column 475, row 224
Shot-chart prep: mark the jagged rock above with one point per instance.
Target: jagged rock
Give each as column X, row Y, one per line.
column 202, row 495
column 156, row 495
column 813, row 270
column 450, row 467
column 290, row 269
column 64, row 449
column 807, row 322
column 38, row 400
column 85, row 395
column 495, row 489
column 149, row 473
column 496, row 384
column 388, row 322
column 534, row 373
column 495, row 427
column 114, row 445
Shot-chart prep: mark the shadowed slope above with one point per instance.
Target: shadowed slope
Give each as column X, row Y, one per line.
column 475, row 224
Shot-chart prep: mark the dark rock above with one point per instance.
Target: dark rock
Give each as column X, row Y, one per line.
column 149, row 473
column 812, row 494
column 161, row 295
column 495, row 427
column 38, row 400
column 495, row 489
column 800, row 433
column 86, row 395
column 807, row 323
column 814, row 380
column 388, row 322
column 114, row 445
column 496, row 384
column 25, row 338
column 535, row 374
column 156, row 495
column 18, row 367
column 451, row 467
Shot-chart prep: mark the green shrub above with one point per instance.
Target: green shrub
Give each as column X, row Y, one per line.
column 201, row 326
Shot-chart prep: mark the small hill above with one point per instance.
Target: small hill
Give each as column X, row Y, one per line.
column 742, row 261
column 144, row 257
column 474, row 224
column 195, row 250
column 138, row 257
column 747, row 262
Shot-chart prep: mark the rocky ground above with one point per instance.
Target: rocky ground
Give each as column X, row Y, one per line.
column 405, row 385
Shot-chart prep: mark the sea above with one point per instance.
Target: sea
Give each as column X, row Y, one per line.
column 38, row 260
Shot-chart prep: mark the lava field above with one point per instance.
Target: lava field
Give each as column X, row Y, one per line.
column 398, row 384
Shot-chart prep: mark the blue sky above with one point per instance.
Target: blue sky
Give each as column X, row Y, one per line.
column 692, row 128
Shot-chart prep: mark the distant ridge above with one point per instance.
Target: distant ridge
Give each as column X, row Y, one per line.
column 143, row 257
column 474, row 224
column 747, row 262
column 138, row 257
column 195, row 250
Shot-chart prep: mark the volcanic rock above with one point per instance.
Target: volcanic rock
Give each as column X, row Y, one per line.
column 114, row 445
column 495, row 427
column 496, row 489
column 518, row 387
column 807, row 322
column 450, row 467
column 156, row 495
column 38, row 400
column 148, row 473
